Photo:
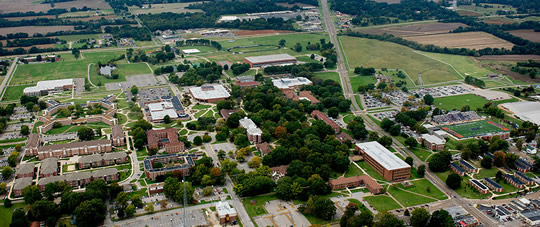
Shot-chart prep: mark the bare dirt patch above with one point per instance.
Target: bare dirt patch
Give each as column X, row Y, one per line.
column 527, row 34
column 11, row 6
column 468, row 13
column 416, row 30
column 471, row 40
column 259, row 32
column 498, row 21
column 35, row 29
column 508, row 57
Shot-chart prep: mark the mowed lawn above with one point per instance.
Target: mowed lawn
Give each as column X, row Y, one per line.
column 463, row 64
column 14, row 93
column 6, row 213
column 379, row 54
column 382, row 202
column 408, row 199
column 421, row 187
column 328, row 76
column 457, row 101
column 63, row 69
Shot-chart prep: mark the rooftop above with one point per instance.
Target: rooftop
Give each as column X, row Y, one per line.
column 48, row 85
column 433, row 139
column 533, row 215
column 250, row 126
column 25, row 168
column 117, row 131
column 217, row 92
column 51, row 179
column 285, row 83
column 49, row 165
column 382, row 155
column 22, row 183
column 270, row 58
column 73, row 145
column 224, row 209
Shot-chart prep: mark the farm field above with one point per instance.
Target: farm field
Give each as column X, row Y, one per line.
column 485, row 11
column 415, row 30
column 457, row 101
column 470, row 40
column 65, row 69
column 498, row 21
column 163, row 8
column 527, row 34
column 465, row 65
column 10, row 6
column 259, row 32
column 508, row 57
column 35, row 29
column 475, row 128
column 73, row 38
column 374, row 53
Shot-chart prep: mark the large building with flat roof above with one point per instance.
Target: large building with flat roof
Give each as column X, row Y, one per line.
column 209, row 93
column 47, row 86
column 291, row 83
column 266, row 60
column 254, row 133
column 391, row 167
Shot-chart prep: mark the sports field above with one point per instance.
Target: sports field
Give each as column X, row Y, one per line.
column 457, row 101
column 475, row 128
column 379, row 54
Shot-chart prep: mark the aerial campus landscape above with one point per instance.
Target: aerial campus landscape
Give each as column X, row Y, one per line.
column 269, row 113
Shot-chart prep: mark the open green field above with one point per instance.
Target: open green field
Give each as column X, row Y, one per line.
column 132, row 69
column 422, row 154
column 408, row 199
column 244, row 49
column 63, row 69
column 328, row 76
column 421, row 187
column 258, row 207
column 486, row 173
column 353, row 171
column 379, row 54
column 14, row 93
column 472, row 129
column 6, row 213
column 486, row 11
column 370, row 171
column 466, row 191
column 382, row 202
column 356, row 81
column 457, row 101
column 73, row 38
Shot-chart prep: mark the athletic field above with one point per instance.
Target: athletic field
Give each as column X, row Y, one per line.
column 472, row 129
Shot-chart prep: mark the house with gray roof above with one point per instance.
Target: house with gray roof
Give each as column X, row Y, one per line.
column 77, row 179
column 42, row 183
column 49, row 167
column 25, row 170
column 20, row 184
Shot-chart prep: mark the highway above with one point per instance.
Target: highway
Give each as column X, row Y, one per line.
column 348, row 92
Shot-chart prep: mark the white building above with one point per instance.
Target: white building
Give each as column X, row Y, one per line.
column 225, row 212
column 291, row 83
column 191, row 51
column 49, row 86
column 254, row 133
column 210, row 93
column 159, row 110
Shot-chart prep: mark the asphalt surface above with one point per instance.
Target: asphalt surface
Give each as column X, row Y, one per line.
column 7, row 79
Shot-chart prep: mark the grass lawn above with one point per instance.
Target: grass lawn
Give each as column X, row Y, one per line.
column 360, row 206
column 463, row 64
column 317, row 221
column 374, row 53
column 72, row 38
column 58, row 130
column 121, row 118
column 370, row 171
column 328, row 76
column 258, row 207
column 465, row 190
column 422, row 154
column 382, row 202
column 420, row 186
column 356, row 81
column 201, row 107
column 358, row 100
column 408, row 199
column 486, row 173
column 14, row 93
column 6, row 213
column 458, row 101
column 353, row 171
column 348, row 118
column 132, row 69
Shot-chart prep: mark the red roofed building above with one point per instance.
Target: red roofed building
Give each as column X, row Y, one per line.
column 345, row 182
column 226, row 113
column 264, row 148
column 302, row 95
column 321, row 116
column 166, row 139
column 250, row 84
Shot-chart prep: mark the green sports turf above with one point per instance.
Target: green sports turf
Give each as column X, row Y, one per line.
column 472, row 129
column 457, row 101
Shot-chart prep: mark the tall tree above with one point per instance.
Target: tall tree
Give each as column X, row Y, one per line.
column 90, row 213
column 420, row 217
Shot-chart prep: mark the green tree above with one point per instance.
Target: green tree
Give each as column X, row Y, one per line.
column 167, row 119
column 13, row 158
column 136, row 201
column 385, row 219
column 130, row 210
column 282, row 42
column 197, row 140
column 500, row 159
column 440, row 161
column 421, row 170
column 90, row 213
column 31, row 194
column 44, row 208
column 409, row 160
column 333, row 112
column 428, row 99
column 411, row 142
column 208, row 190
column 441, row 218
column 320, row 207
column 25, row 130
column 179, row 194
column 7, row 202
column 18, row 219
column 486, row 162
column 3, row 188
column 85, row 134
column 453, row 181
column 149, row 208
column 298, row 47
column 6, row 172
column 134, row 90
column 420, row 217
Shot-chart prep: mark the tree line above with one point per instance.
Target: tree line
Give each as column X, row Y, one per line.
column 31, row 42
column 127, row 31
column 199, row 42
column 48, row 12
column 199, row 74
column 32, row 50
column 294, row 69
column 53, row 22
column 21, row 35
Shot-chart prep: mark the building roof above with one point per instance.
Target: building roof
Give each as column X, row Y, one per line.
column 104, row 172
column 250, row 126
column 284, row 83
column 159, row 115
column 33, row 141
column 48, row 165
column 466, row 164
column 210, row 92
column 114, row 155
column 73, row 145
column 22, row 183
column 106, row 70
column 342, row 137
column 48, row 85
column 154, row 136
column 478, row 183
column 270, row 58
column 457, row 168
column 25, row 168
column 433, row 139
column 365, row 179
column 529, row 111
column 282, row 169
column 51, row 179
column 177, row 104
column 78, row 176
column 225, row 113
column 224, row 209
column 90, row 158
column 264, row 148
column 492, row 182
column 533, row 215
column 191, row 51
column 382, row 155
column 322, row 116
column 245, row 79
column 117, row 132
column 524, row 176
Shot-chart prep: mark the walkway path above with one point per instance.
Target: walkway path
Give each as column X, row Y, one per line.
column 89, row 80
column 8, row 77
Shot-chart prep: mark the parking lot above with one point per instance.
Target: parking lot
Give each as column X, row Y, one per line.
column 59, row 137
column 382, row 115
column 138, row 80
column 442, row 91
column 152, row 94
column 195, row 217
column 372, row 102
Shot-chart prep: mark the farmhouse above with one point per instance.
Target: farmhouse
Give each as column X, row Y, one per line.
column 356, row 181
column 267, row 60
column 254, row 133
column 384, row 161
column 49, row 86
column 209, row 93
column 291, row 83
column 166, row 139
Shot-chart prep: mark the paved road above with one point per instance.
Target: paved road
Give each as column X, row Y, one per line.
column 8, row 77
column 349, row 94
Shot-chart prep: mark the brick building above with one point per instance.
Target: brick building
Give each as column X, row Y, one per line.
column 384, row 161
column 49, row 167
column 20, row 184
column 173, row 163
column 118, row 136
column 514, row 181
column 457, row 169
column 493, row 185
column 98, row 160
column 479, row 186
column 209, row 93
column 225, row 113
column 254, row 133
column 322, row 116
column 356, row 181
column 433, row 142
column 166, row 139
column 225, row 212
column 468, row 167
column 77, row 148
column 42, row 183
column 25, row 170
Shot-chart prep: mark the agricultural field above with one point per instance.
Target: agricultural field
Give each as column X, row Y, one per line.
column 374, row 53
column 457, row 101
column 11, row 6
column 164, row 8
column 35, row 29
column 470, row 40
column 415, row 30
column 527, row 34
column 492, row 10
column 498, row 20
column 475, row 128
column 259, row 32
